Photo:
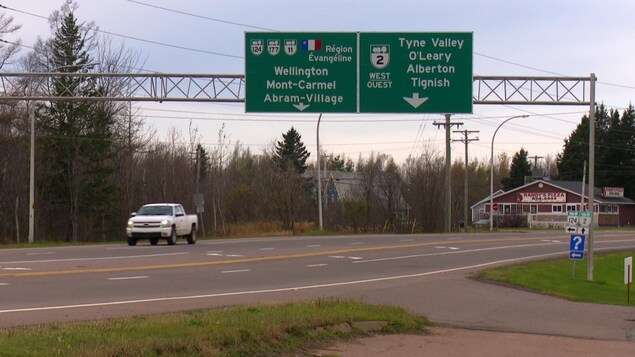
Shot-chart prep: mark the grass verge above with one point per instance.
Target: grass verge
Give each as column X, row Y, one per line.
column 257, row 330
column 557, row 278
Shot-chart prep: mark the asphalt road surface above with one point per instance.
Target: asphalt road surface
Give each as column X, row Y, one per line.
column 423, row 273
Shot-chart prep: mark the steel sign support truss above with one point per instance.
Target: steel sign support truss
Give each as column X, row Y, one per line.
column 154, row 87
column 531, row 90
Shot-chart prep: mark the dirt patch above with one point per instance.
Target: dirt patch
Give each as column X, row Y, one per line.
column 459, row 342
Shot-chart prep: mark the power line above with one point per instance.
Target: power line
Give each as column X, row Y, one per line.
column 201, row 16
column 136, row 38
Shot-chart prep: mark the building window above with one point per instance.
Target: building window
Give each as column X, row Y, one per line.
column 609, row 209
column 556, row 208
column 571, row 208
column 533, row 209
column 516, row 209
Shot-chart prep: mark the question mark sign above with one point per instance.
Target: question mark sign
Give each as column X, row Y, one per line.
column 578, row 241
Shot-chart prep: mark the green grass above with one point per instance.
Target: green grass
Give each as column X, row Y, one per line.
column 257, row 330
column 556, row 277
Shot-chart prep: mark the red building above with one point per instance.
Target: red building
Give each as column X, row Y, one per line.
column 545, row 203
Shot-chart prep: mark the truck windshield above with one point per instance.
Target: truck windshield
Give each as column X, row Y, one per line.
column 155, row 211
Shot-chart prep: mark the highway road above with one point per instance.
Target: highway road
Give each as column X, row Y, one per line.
column 424, row 273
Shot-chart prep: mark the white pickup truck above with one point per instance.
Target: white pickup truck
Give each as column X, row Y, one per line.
column 161, row 221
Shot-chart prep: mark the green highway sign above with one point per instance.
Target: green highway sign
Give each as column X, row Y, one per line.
column 301, row 72
column 358, row 72
column 416, row 72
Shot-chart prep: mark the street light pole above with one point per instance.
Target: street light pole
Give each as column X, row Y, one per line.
column 319, row 178
column 32, row 174
column 491, row 172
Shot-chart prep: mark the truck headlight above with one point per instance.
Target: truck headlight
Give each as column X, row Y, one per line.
column 130, row 224
column 165, row 223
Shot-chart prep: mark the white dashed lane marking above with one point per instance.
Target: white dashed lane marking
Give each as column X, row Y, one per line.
column 129, row 278
column 235, row 271
column 316, row 265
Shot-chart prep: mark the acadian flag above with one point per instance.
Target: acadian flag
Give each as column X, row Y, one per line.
column 311, row 45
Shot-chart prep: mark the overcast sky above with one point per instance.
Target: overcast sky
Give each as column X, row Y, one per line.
column 571, row 38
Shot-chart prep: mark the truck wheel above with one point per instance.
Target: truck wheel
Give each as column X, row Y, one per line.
column 154, row 241
column 172, row 237
column 132, row 241
column 191, row 238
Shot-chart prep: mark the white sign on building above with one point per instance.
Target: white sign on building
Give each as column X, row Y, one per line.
column 540, row 197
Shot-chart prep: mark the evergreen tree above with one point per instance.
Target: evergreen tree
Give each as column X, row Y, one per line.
column 615, row 164
column 519, row 169
column 203, row 161
column 614, row 149
column 76, row 136
column 291, row 153
column 576, row 148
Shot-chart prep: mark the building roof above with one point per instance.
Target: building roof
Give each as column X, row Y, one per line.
column 574, row 187
column 486, row 199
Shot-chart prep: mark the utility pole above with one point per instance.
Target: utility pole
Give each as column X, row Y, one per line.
column 448, row 171
column 466, row 140
column 535, row 158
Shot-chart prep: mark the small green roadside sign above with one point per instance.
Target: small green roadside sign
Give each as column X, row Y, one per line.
column 301, row 72
column 416, row 72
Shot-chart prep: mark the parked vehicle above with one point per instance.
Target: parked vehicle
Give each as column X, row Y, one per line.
column 161, row 221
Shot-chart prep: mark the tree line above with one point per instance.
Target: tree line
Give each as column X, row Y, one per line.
column 96, row 162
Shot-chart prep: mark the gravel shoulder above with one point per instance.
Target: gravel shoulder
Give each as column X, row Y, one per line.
column 443, row 341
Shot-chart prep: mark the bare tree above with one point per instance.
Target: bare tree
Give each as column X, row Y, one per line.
column 14, row 133
column 8, row 50
column 423, row 190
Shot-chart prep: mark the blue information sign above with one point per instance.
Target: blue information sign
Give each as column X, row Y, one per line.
column 576, row 246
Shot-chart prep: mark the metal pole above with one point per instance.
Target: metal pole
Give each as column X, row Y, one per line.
column 448, row 176
column 465, row 195
column 32, row 175
column 591, row 176
column 319, row 178
column 491, row 172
